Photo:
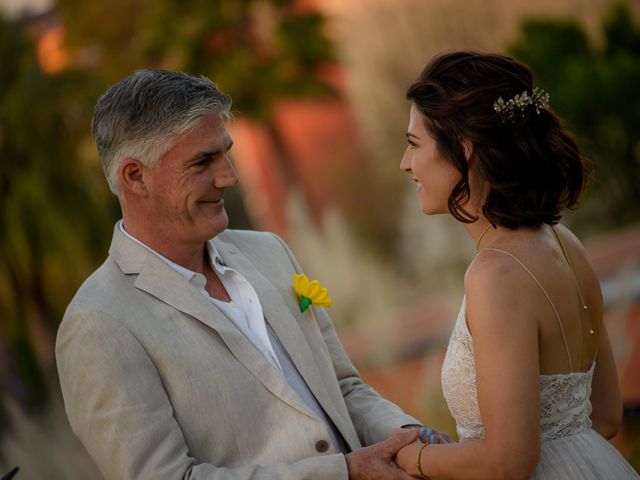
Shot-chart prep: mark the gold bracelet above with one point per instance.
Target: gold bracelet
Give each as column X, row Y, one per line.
column 422, row 475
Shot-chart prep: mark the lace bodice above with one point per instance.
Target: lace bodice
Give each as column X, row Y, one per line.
column 564, row 398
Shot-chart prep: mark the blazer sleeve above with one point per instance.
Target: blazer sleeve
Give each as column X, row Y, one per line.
column 117, row 406
column 373, row 417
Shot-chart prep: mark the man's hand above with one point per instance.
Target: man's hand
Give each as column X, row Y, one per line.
column 376, row 461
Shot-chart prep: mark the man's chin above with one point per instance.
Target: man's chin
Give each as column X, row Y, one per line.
column 217, row 225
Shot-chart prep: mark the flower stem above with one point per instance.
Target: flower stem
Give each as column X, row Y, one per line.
column 305, row 302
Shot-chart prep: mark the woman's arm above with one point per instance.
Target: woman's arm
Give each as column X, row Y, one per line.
column 503, row 305
column 606, row 414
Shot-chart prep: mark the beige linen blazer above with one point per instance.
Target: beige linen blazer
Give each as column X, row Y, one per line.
column 159, row 384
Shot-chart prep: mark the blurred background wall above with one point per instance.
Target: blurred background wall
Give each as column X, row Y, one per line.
column 318, row 89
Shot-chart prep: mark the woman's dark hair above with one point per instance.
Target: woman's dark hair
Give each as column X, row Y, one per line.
column 532, row 165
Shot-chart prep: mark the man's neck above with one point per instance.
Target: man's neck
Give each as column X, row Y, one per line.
column 188, row 255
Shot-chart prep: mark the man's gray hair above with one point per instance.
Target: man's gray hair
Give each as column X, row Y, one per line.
column 140, row 116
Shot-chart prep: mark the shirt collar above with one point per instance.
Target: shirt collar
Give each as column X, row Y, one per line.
column 215, row 258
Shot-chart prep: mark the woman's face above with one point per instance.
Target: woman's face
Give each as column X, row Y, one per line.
column 434, row 175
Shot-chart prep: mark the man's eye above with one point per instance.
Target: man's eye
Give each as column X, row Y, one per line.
column 411, row 142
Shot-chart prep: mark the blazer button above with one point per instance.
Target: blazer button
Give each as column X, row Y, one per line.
column 322, row 446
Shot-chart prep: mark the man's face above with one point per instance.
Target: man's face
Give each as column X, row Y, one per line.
column 185, row 187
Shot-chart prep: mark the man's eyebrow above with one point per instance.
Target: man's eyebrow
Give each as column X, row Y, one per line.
column 213, row 153
column 411, row 135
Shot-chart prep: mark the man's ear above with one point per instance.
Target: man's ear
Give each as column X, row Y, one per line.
column 467, row 148
column 132, row 178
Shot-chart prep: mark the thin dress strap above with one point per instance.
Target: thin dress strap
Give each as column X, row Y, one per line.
column 583, row 304
column 555, row 310
column 573, row 273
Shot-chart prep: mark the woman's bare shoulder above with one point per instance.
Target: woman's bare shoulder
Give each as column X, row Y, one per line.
column 493, row 268
column 569, row 239
column 497, row 287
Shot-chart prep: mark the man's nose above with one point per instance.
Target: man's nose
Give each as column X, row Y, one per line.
column 226, row 176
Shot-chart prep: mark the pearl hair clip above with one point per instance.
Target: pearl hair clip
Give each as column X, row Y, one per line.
column 509, row 109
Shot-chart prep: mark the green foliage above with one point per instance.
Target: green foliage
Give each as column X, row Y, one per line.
column 596, row 90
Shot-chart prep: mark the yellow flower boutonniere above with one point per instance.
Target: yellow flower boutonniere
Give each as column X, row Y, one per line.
column 310, row 293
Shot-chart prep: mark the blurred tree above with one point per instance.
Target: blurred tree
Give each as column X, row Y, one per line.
column 49, row 203
column 255, row 50
column 596, row 90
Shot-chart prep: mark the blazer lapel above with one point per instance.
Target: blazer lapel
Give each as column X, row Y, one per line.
column 159, row 280
column 280, row 312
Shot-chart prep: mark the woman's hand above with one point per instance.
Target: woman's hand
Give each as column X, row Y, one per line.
column 427, row 434
column 407, row 458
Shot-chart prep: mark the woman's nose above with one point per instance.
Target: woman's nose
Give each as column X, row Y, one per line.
column 405, row 164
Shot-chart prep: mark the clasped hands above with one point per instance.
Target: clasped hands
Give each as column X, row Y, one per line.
column 395, row 457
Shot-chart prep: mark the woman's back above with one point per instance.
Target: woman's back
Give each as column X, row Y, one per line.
column 570, row 448
column 568, row 307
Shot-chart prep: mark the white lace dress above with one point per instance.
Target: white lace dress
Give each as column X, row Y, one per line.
column 570, row 448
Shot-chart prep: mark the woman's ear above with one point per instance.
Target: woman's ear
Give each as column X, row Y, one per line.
column 467, row 148
column 131, row 177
